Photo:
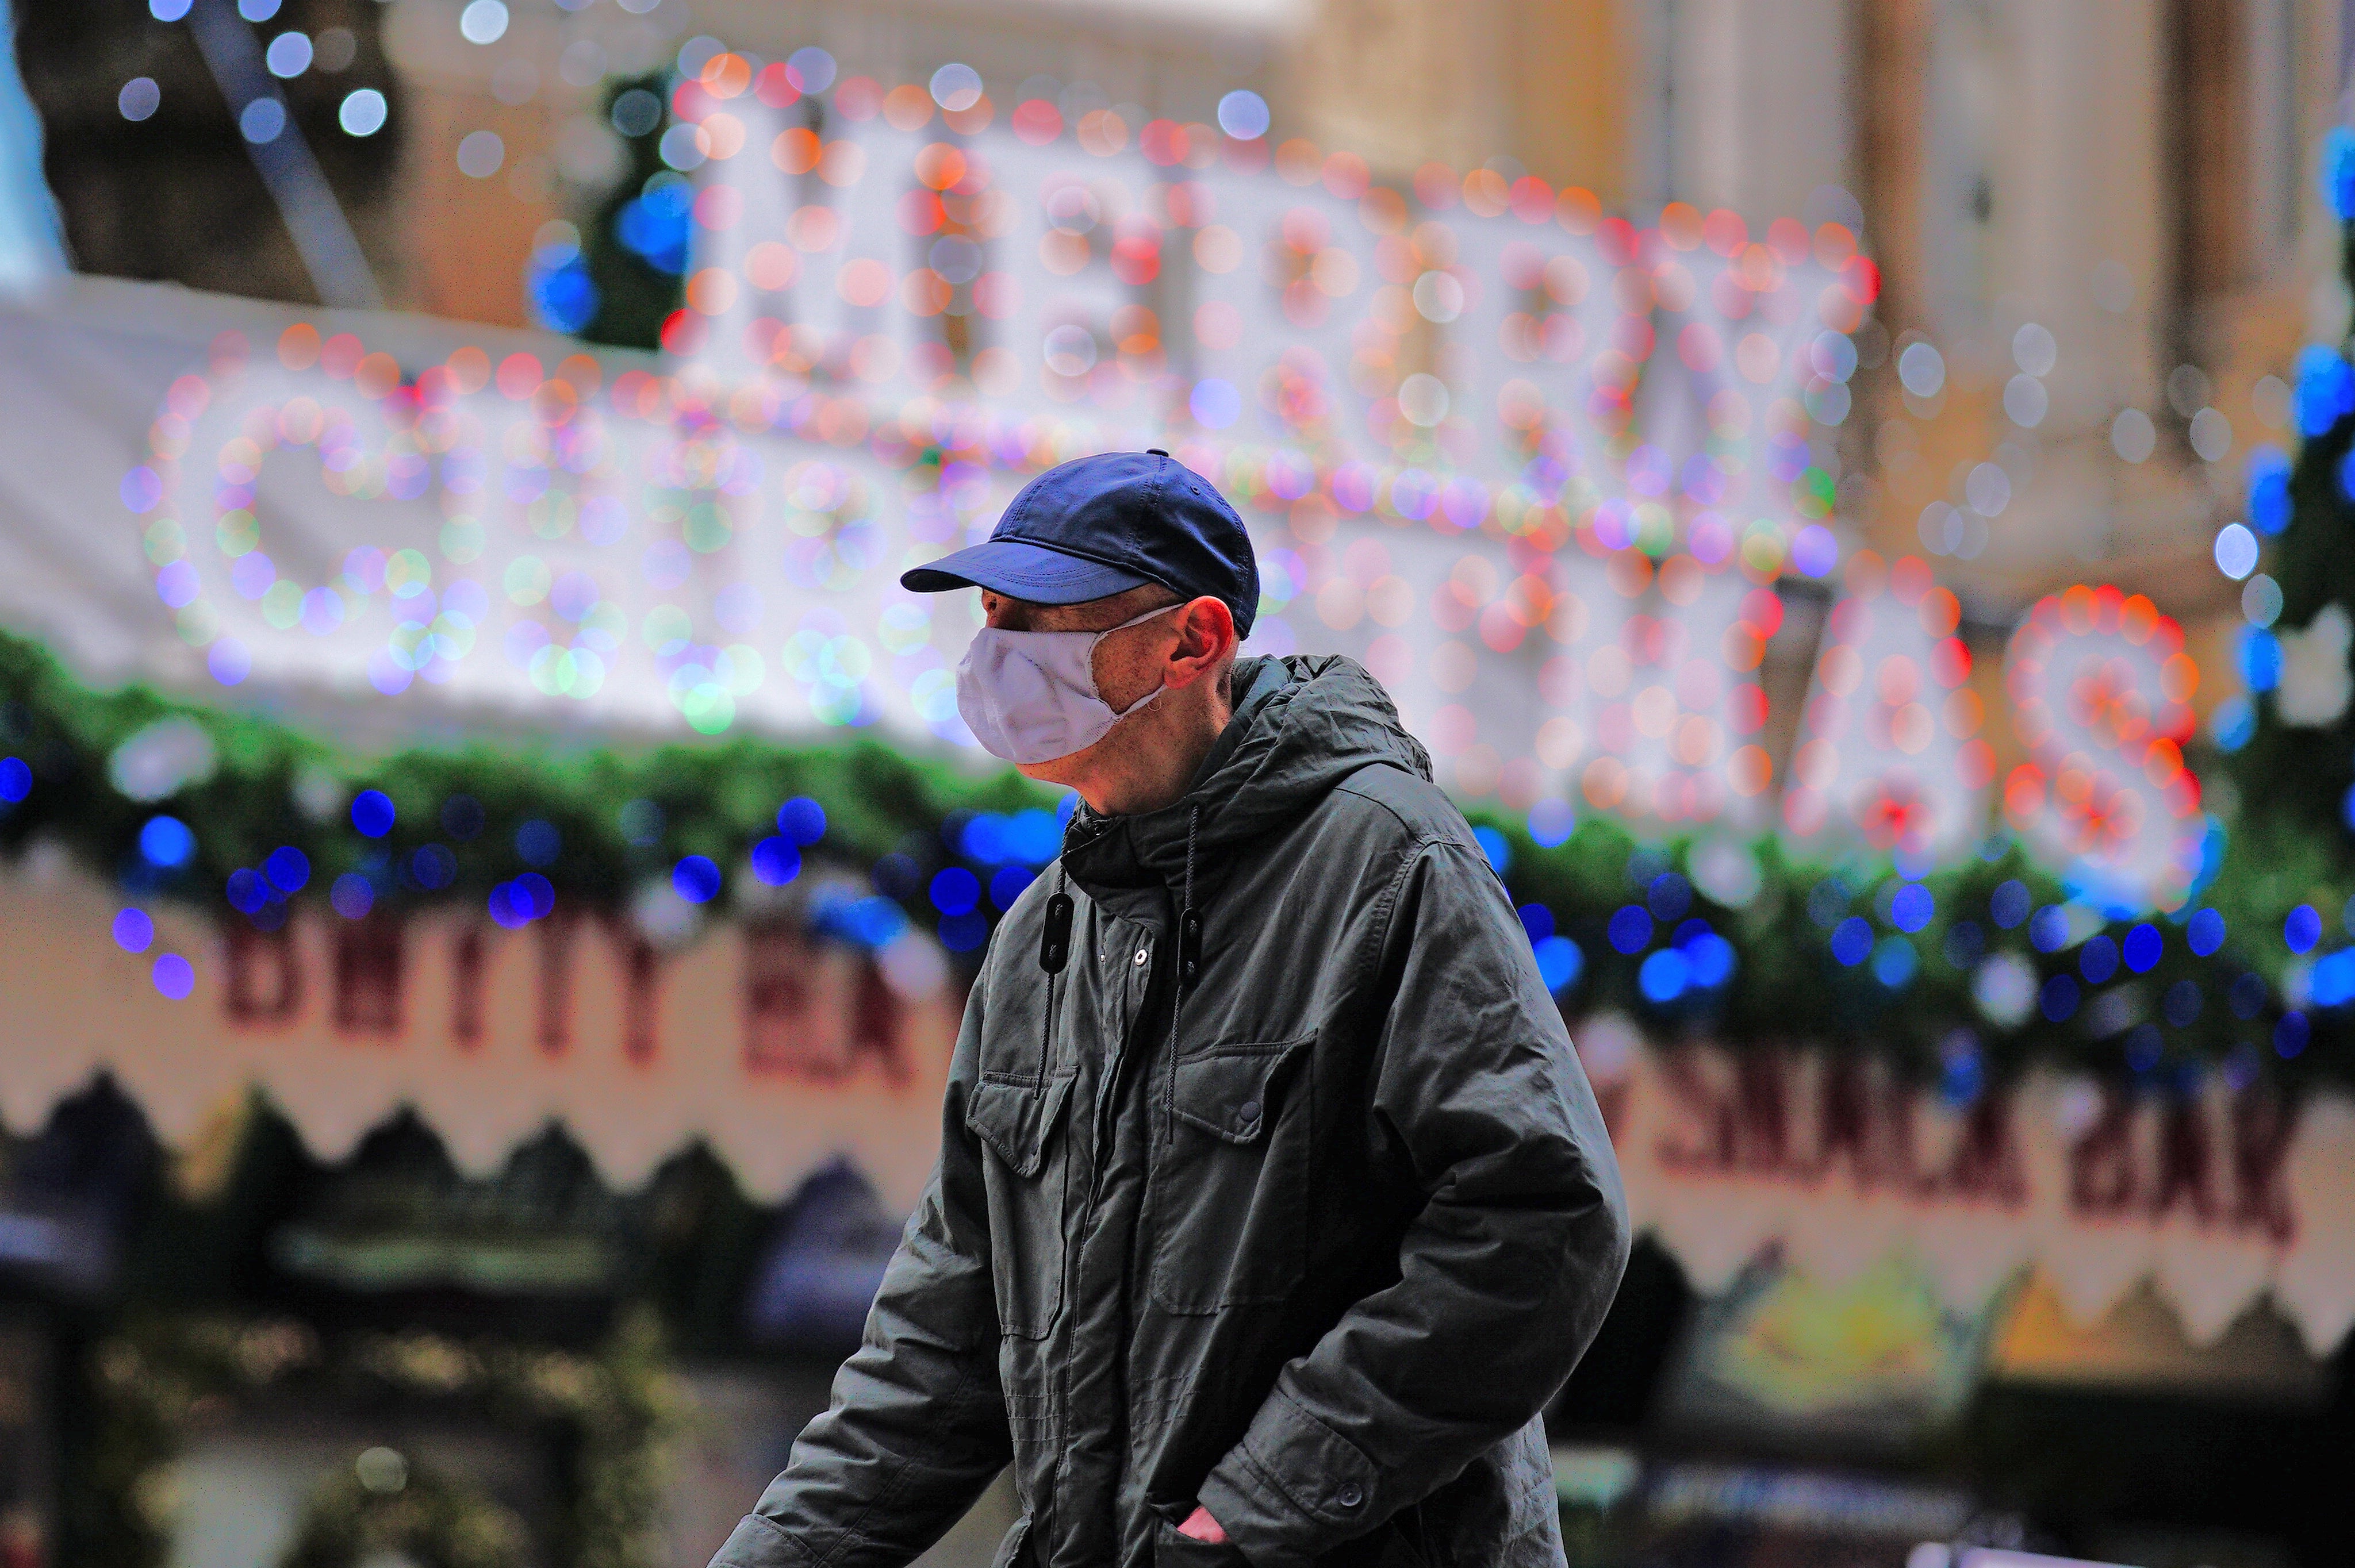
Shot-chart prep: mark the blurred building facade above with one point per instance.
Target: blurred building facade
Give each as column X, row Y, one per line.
column 2098, row 218
column 2124, row 185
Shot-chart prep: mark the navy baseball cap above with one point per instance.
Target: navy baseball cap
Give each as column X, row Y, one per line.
column 1100, row 525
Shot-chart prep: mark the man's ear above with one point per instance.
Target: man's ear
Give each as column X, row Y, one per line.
column 1206, row 635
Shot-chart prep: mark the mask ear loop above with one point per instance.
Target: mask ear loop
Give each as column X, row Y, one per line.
column 1119, row 714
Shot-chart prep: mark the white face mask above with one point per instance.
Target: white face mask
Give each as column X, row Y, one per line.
column 1030, row 696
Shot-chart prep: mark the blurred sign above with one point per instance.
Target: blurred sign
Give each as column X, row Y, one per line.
column 779, row 1051
column 1873, row 1362
column 2219, row 1198
column 1798, row 1502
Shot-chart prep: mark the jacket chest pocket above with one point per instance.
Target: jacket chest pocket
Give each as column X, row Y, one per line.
column 1230, row 1196
column 1028, row 1164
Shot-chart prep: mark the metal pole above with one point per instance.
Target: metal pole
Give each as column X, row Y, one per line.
column 330, row 253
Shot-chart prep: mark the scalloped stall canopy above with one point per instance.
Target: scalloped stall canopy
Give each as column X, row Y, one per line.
column 783, row 1053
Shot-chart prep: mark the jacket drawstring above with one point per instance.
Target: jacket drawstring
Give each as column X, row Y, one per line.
column 1190, row 962
column 1054, row 952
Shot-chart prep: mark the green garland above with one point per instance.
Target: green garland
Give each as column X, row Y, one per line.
column 617, row 1412
column 1789, row 982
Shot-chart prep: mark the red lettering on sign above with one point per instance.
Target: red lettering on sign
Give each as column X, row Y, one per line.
column 1986, row 1164
column 368, row 975
column 1844, row 1121
column 2102, row 1163
column 1707, row 1141
column 2262, row 1126
column 877, row 1022
column 1762, row 1120
column 789, row 1028
column 640, row 998
column 2183, row 1158
column 467, row 961
column 265, row 975
column 557, row 933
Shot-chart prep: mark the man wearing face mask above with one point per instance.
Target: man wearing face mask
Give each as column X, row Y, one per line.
column 1272, row 1204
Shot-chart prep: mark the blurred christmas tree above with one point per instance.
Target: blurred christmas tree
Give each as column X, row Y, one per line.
column 621, row 280
column 2293, row 736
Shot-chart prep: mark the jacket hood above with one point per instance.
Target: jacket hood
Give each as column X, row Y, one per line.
column 1328, row 719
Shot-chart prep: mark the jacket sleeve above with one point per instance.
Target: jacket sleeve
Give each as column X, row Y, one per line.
column 917, row 1426
column 1503, row 1274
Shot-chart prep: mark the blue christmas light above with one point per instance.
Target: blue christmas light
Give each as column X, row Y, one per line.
column 1913, row 907
column 1711, row 958
column 802, row 820
column 287, row 869
column 1560, row 963
column 1538, row 921
column 2058, row 999
column 1630, row 930
column 2269, row 489
column 2338, row 172
column 654, row 226
column 352, row 897
column 134, row 930
column 247, row 892
column 2098, row 961
column 983, row 839
column 534, row 894
column 1663, row 976
column 1894, row 962
column 2302, row 928
column 696, row 879
column 1669, row 896
column 537, row 843
column 166, row 842
column 2009, row 905
column 563, row 297
column 2143, row 947
column 1493, row 846
column 2205, row 932
column 954, row 891
column 2333, row 981
column 776, row 861
column 1961, row 1075
column 2326, row 389
column 1852, row 940
column 372, row 813
column 1008, row 885
column 1034, row 837
column 873, row 921
column 2234, row 724
column 1551, row 822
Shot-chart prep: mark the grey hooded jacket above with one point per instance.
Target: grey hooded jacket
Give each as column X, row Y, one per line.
column 1309, row 1237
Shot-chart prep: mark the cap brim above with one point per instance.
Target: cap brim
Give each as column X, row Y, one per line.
column 1022, row 570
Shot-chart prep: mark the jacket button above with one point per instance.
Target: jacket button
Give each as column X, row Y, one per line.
column 1349, row 1496
column 1140, row 956
column 1248, row 1110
